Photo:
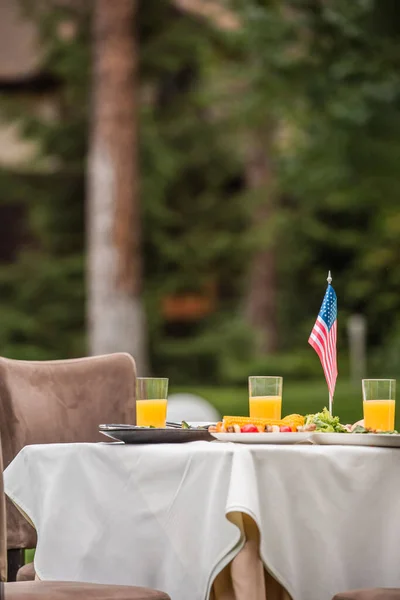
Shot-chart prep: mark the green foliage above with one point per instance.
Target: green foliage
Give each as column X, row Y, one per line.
column 385, row 361
column 33, row 301
column 42, row 300
column 41, row 295
column 190, row 180
column 190, row 177
column 326, row 78
column 329, row 72
column 208, row 352
column 65, row 35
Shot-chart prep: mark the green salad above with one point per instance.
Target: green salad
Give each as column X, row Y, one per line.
column 361, row 429
column 323, row 421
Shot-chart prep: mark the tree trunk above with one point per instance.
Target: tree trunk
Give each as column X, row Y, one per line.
column 261, row 302
column 115, row 314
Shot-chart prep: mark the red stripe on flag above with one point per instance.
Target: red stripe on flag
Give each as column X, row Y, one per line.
column 324, row 344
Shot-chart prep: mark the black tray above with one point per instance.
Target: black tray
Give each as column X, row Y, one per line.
column 130, row 434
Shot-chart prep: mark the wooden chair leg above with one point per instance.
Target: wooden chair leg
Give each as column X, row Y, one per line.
column 15, row 559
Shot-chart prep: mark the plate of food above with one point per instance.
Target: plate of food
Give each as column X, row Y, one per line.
column 327, row 430
column 248, row 430
column 319, row 428
column 174, row 434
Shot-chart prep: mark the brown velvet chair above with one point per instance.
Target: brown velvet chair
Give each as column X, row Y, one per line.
column 49, row 590
column 53, row 402
column 372, row 594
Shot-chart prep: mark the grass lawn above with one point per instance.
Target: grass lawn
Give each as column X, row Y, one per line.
column 298, row 397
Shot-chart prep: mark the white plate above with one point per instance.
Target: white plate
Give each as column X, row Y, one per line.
column 264, row 438
column 357, row 439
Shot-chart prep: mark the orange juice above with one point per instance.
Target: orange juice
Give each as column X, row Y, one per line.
column 268, row 407
column 379, row 414
column 151, row 413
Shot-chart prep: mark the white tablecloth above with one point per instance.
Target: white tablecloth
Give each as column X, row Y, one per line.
column 169, row 516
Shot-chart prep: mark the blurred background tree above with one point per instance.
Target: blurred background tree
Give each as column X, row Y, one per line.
column 116, row 317
column 268, row 154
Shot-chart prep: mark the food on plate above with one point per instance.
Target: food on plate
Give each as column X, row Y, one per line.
column 249, row 429
column 356, row 424
column 229, row 424
column 323, row 422
column 362, row 429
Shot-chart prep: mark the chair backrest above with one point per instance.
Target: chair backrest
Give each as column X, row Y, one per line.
column 60, row 401
column 3, row 527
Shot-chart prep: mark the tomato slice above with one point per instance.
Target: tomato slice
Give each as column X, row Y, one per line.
column 285, row 429
column 249, row 429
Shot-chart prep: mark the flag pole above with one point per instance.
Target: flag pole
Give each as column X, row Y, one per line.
column 329, row 280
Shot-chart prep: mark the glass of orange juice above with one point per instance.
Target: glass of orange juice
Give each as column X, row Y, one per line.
column 265, row 397
column 151, row 401
column 379, row 397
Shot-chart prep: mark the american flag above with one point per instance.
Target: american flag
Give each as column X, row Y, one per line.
column 323, row 338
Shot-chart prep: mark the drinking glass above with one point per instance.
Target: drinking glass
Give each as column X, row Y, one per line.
column 151, row 401
column 379, row 397
column 265, row 397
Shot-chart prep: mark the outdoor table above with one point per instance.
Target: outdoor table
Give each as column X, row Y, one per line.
column 176, row 517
